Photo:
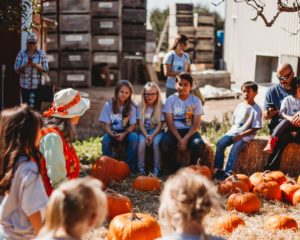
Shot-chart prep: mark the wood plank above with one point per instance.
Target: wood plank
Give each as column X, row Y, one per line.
column 151, row 72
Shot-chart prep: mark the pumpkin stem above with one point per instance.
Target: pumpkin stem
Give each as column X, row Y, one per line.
column 111, row 191
column 134, row 216
column 239, row 189
column 198, row 161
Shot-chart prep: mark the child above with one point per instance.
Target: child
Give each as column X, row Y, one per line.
column 183, row 113
column 119, row 117
column 74, row 208
column 186, row 199
column 246, row 119
column 289, row 107
column 150, row 124
column 25, row 198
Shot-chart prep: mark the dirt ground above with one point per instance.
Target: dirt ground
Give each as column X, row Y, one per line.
column 89, row 125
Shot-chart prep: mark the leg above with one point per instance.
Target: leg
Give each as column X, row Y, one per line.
column 156, row 152
column 224, row 142
column 234, row 154
column 195, row 144
column 168, row 146
column 141, row 154
column 107, row 142
column 132, row 139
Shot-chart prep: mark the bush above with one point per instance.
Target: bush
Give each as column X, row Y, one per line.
column 88, row 150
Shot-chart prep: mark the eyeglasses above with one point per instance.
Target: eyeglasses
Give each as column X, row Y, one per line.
column 284, row 78
column 32, row 43
column 150, row 94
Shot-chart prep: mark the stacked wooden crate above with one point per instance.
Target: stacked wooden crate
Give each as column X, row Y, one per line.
column 205, row 40
column 106, row 37
column 150, row 46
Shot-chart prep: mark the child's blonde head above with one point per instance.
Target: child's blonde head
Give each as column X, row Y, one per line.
column 187, row 197
column 74, row 203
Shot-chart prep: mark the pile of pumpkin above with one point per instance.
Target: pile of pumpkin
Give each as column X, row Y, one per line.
column 244, row 195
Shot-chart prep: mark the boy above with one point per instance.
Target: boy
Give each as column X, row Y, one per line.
column 246, row 120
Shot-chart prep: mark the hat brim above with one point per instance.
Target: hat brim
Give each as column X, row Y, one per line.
column 75, row 111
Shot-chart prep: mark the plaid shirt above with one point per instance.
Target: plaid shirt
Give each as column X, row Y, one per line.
column 30, row 78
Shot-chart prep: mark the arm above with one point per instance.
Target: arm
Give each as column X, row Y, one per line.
column 196, row 125
column 42, row 65
column 121, row 136
column 19, row 68
column 36, row 221
column 269, row 109
column 171, row 126
column 155, row 132
column 108, row 130
column 245, row 133
column 168, row 71
column 142, row 128
column 287, row 117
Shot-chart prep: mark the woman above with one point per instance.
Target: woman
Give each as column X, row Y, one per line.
column 60, row 159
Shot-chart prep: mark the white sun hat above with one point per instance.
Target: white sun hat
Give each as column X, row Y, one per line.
column 68, row 103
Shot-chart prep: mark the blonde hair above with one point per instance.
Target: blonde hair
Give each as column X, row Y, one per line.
column 156, row 116
column 187, row 197
column 74, row 202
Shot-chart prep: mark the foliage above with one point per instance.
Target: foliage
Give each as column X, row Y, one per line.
column 88, row 150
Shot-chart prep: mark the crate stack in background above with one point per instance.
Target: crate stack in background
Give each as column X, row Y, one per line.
column 150, row 46
column 181, row 21
column 133, row 40
column 106, row 39
column 205, row 41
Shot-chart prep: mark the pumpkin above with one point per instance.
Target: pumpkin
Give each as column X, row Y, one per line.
column 288, row 189
column 108, row 169
column 296, row 197
column 298, row 179
column 247, row 202
column 227, row 224
column 133, row 226
column 268, row 190
column 146, row 184
column 232, row 185
column 244, row 178
column 280, row 223
column 117, row 204
column 202, row 170
column 256, row 178
column 277, row 176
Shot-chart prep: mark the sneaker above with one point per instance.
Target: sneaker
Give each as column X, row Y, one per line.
column 221, row 175
column 157, row 173
column 142, row 172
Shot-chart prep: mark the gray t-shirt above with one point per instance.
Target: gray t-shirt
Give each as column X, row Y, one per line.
column 183, row 110
column 149, row 126
column 189, row 237
column 27, row 196
column 245, row 117
column 178, row 64
column 118, row 124
column 290, row 105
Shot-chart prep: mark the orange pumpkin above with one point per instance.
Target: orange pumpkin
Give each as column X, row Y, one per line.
column 280, row 223
column 131, row 226
column 244, row 202
column 108, row 169
column 296, row 197
column 232, row 185
column 227, row 224
column 298, row 180
column 288, row 189
column 268, row 190
column 146, row 184
column 256, row 178
column 117, row 204
column 202, row 170
column 277, row 176
column 243, row 178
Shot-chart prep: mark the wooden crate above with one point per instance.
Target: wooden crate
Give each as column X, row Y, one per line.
column 150, row 35
column 105, row 43
column 184, row 20
column 204, row 57
column 114, row 75
column 134, row 15
column 134, row 30
column 105, row 26
column 53, row 74
column 205, row 44
column 75, row 60
column 205, row 32
column 75, row 78
column 134, row 45
column 133, row 69
column 53, row 17
column 53, row 60
column 206, row 20
column 105, row 9
column 80, row 41
column 51, row 41
column 75, row 23
column 74, row 6
column 179, row 8
column 49, row 7
column 134, row 3
column 106, row 57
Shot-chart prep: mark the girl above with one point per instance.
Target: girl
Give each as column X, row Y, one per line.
column 25, row 199
column 74, row 208
column 186, row 199
column 150, row 124
column 183, row 116
column 289, row 107
column 119, row 117
column 60, row 161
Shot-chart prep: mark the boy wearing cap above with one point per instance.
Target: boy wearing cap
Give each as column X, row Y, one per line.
column 30, row 63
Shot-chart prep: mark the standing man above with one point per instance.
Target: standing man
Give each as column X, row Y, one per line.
column 274, row 97
column 30, row 64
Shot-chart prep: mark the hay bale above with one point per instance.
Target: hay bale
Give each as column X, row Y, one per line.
column 290, row 160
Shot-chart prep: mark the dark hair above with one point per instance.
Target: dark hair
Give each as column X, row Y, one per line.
column 128, row 102
column 185, row 76
column 19, row 128
column 294, row 85
column 179, row 39
column 64, row 125
column 251, row 85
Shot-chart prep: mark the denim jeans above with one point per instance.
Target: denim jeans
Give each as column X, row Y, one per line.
column 142, row 151
column 168, row 146
column 224, row 142
column 132, row 145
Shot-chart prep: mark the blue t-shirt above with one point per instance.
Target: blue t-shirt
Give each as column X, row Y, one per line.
column 178, row 64
column 148, row 124
column 117, row 121
column 274, row 96
column 290, row 105
column 183, row 110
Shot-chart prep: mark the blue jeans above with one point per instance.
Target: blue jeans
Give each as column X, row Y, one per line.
column 132, row 145
column 142, row 151
column 222, row 144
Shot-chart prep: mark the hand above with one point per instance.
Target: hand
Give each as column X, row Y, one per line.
column 271, row 112
column 295, row 120
column 149, row 140
column 182, row 144
column 237, row 138
column 120, row 137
